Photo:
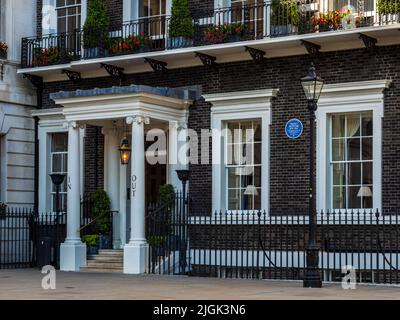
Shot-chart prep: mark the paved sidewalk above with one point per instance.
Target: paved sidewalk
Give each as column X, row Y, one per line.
column 26, row 284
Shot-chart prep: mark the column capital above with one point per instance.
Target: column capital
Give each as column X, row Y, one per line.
column 70, row 124
column 178, row 125
column 138, row 120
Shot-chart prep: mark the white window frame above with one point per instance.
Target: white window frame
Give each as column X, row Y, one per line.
column 231, row 106
column 68, row 16
column 49, row 16
column 52, row 121
column 52, row 154
column 131, row 9
column 365, row 96
column 228, row 166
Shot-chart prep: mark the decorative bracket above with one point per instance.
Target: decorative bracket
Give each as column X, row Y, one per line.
column 72, row 75
column 113, row 71
column 158, row 66
column 312, row 48
column 35, row 80
column 207, row 60
column 369, row 42
column 257, row 55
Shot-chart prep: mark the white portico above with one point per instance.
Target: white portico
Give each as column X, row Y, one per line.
column 138, row 108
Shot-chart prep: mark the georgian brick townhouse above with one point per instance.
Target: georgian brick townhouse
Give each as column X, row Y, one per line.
column 241, row 68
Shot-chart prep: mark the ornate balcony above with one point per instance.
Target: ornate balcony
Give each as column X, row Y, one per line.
column 254, row 23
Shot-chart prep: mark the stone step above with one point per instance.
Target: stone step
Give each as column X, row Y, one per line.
column 105, row 258
column 101, row 270
column 104, row 265
column 111, row 252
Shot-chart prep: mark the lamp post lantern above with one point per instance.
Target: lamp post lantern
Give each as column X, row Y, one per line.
column 57, row 180
column 125, row 152
column 312, row 86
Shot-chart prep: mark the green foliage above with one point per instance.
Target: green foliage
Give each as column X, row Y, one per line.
column 91, row 240
column 156, row 241
column 285, row 12
column 95, row 30
column 385, row 7
column 101, row 211
column 181, row 23
column 166, row 193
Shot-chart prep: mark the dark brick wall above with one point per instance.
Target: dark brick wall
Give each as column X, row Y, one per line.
column 201, row 8
column 39, row 6
column 114, row 9
column 288, row 158
column 94, row 159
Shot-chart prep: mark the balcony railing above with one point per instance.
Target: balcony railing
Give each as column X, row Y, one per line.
column 234, row 24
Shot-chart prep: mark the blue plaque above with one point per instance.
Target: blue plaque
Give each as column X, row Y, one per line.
column 294, row 128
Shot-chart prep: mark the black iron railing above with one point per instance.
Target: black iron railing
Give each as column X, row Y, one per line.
column 263, row 246
column 20, row 233
column 233, row 24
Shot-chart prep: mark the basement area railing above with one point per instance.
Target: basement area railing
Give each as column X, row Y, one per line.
column 263, row 246
column 226, row 25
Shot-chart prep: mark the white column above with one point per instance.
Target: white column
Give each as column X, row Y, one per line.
column 136, row 251
column 112, row 179
column 173, row 155
column 123, row 197
column 73, row 251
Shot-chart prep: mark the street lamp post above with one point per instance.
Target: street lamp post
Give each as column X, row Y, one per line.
column 57, row 180
column 312, row 86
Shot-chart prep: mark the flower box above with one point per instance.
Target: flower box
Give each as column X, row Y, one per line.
column 129, row 44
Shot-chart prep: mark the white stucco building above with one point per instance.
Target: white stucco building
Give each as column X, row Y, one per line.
column 17, row 98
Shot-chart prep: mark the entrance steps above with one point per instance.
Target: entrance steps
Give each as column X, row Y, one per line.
column 107, row 261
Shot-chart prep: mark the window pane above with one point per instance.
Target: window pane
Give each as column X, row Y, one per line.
column 257, row 176
column 59, row 142
column 367, row 173
column 338, row 150
column 257, row 200
column 338, row 126
column 339, row 197
column 257, row 132
column 339, row 174
column 257, row 153
column 354, row 199
column 247, row 200
column 354, row 174
column 367, row 201
column 353, row 125
column 60, row 3
column 367, row 125
column 353, row 149
column 367, row 149
column 233, row 178
column 233, row 200
column 57, row 158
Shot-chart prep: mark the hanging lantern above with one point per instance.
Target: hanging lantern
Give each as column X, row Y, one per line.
column 125, row 151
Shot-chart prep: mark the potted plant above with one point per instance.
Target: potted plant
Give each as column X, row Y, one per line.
column 215, row 34
column 95, row 30
column 101, row 211
column 181, row 29
column 285, row 17
column 157, row 245
column 389, row 10
column 3, row 50
column 3, row 208
column 234, row 31
column 92, row 243
column 130, row 44
column 49, row 56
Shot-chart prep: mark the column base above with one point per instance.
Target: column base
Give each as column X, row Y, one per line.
column 136, row 257
column 72, row 256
